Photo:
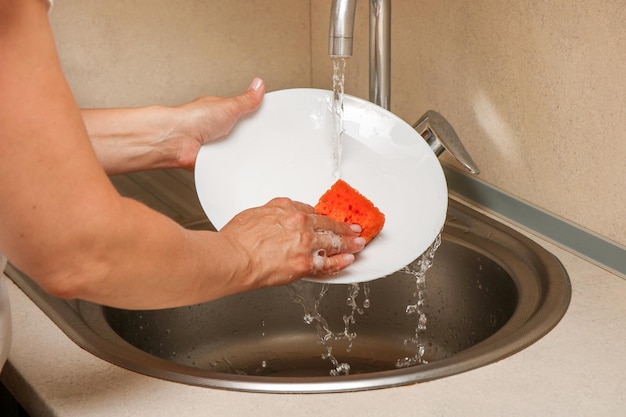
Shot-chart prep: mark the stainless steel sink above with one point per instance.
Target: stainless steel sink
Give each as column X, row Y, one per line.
column 490, row 293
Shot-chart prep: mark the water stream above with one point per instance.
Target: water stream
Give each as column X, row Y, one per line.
column 309, row 294
column 418, row 270
column 339, row 67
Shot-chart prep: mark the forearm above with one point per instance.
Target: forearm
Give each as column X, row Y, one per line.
column 64, row 224
column 133, row 139
column 136, row 258
column 61, row 220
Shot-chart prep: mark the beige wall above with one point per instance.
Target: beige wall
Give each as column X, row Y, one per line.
column 133, row 52
column 537, row 90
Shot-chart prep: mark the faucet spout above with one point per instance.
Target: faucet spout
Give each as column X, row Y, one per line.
column 340, row 41
column 341, row 30
column 433, row 127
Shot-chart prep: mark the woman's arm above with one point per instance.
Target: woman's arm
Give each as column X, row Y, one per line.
column 63, row 223
column 134, row 139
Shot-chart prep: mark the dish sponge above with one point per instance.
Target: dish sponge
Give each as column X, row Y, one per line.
column 345, row 204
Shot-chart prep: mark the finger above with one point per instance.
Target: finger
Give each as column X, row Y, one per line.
column 333, row 244
column 257, row 84
column 251, row 98
column 331, row 264
column 324, row 223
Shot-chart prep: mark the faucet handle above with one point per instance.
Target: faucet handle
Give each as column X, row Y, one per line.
column 441, row 136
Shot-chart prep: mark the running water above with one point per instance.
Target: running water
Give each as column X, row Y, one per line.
column 306, row 293
column 309, row 297
column 418, row 270
column 339, row 66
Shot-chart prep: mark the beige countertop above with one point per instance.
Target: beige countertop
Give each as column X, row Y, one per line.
column 578, row 369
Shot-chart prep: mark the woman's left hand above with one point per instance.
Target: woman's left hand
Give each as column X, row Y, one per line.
column 158, row 137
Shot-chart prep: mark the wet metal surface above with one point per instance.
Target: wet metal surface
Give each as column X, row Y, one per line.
column 490, row 293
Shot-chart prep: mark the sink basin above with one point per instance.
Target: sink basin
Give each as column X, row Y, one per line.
column 490, row 293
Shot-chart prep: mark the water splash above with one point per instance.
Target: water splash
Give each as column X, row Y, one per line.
column 418, row 269
column 309, row 295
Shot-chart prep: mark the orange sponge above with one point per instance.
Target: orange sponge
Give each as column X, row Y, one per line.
column 345, row 204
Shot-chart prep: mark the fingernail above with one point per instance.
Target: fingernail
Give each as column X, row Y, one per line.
column 359, row 241
column 356, row 228
column 256, row 84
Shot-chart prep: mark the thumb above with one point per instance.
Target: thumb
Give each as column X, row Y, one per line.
column 257, row 84
column 251, row 99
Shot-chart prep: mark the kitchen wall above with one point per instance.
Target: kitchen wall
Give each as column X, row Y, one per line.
column 536, row 90
column 135, row 52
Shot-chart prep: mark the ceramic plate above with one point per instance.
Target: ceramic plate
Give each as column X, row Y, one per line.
column 285, row 149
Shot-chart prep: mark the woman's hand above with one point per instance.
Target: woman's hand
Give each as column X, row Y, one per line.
column 285, row 240
column 157, row 137
column 209, row 118
column 63, row 223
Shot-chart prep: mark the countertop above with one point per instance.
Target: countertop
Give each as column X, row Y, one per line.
column 578, row 369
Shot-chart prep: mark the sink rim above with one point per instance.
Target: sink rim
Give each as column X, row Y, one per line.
column 529, row 323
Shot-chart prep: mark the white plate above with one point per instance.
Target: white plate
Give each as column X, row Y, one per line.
column 284, row 149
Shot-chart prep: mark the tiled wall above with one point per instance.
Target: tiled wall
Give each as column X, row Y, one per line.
column 536, row 90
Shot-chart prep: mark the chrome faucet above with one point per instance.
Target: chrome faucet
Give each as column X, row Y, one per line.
column 432, row 126
column 340, row 39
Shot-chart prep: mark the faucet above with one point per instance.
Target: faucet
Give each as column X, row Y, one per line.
column 340, row 39
column 432, row 126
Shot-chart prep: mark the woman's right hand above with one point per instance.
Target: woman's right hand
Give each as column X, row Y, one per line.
column 285, row 240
